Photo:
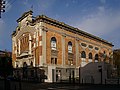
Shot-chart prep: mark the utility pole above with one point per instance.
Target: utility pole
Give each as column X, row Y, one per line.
column 2, row 6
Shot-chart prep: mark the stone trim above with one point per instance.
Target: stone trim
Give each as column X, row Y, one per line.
column 45, row 19
column 64, row 34
column 64, row 26
column 24, row 15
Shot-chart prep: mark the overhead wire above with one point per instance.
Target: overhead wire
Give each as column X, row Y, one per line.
column 9, row 2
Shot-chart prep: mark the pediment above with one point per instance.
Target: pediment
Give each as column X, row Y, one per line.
column 26, row 29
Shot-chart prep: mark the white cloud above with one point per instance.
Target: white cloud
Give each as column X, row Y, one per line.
column 28, row 5
column 74, row 1
column 67, row 5
column 1, row 26
column 101, row 9
column 45, row 5
column 1, row 32
column 25, row 2
column 103, row 1
column 100, row 23
column 7, row 6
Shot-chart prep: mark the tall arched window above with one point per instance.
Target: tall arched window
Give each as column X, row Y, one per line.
column 69, row 47
column 83, row 54
column 96, row 57
column 90, row 55
column 53, row 43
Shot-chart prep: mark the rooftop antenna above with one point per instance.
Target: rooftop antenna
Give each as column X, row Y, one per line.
column 31, row 7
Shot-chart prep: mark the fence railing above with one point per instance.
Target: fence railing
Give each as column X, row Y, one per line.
column 112, row 81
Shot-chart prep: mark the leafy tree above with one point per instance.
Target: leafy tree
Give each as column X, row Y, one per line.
column 6, row 66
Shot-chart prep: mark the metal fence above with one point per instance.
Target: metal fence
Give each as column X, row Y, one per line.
column 18, row 84
column 112, row 81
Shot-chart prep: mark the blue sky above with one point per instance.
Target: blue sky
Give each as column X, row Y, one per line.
column 98, row 17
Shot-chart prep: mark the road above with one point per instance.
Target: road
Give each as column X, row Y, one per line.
column 14, row 85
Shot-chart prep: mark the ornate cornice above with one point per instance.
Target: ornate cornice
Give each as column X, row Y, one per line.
column 67, row 27
column 62, row 25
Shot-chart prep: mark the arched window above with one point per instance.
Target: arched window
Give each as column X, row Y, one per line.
column 83, row 54
column 69, row 47
column 53, row 43
column 90, row 55
column 96, row 57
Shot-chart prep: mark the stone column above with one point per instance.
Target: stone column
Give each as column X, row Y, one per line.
column 63, row 50
column 77, row 57
column 18, row 46
column 77, row 51
column 30, row 44
column 34, row 36
column 43, row 44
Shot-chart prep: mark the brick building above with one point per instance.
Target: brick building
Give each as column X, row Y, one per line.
column 55, row 47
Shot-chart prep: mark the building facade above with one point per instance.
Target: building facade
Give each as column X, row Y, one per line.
column 56, row 47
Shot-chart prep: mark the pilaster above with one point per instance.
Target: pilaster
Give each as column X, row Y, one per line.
column 30, row 44
column 77, row 51
column 43, row 42
column 19, row 46
column 63, row 50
